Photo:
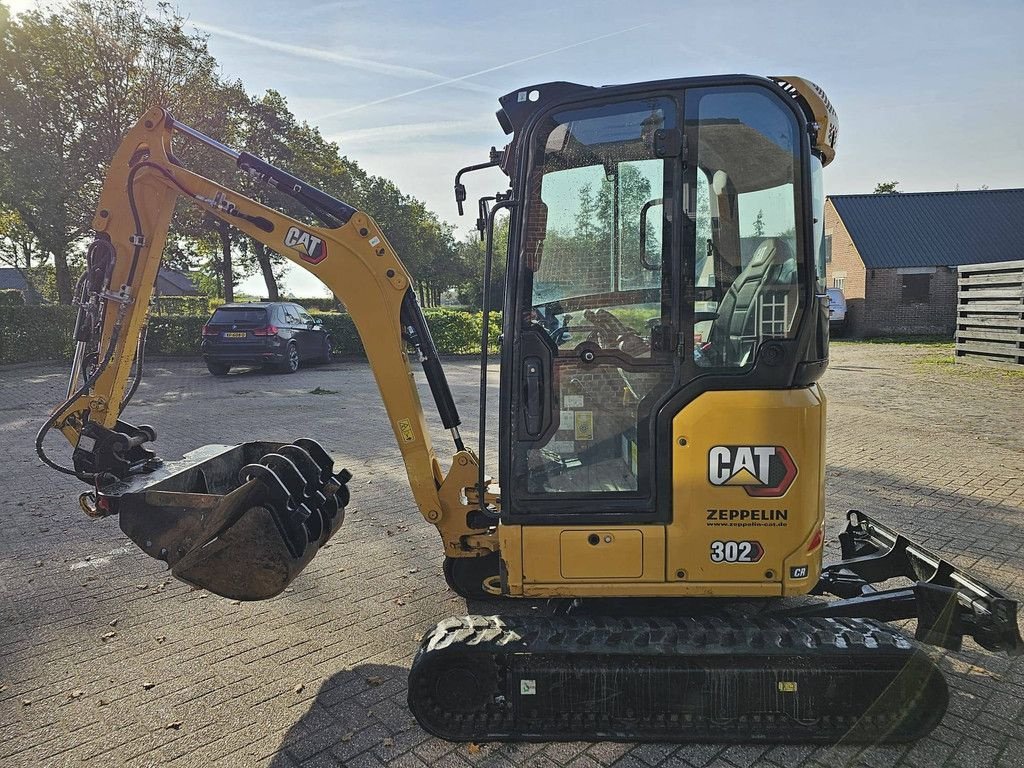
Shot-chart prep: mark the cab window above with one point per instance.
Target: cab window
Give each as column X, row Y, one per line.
column 746, row 260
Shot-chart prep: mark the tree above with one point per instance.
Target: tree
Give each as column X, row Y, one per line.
column 759, row 224
column 71, row 83
column 19, row 248
column 887, row 188
column 469, row 266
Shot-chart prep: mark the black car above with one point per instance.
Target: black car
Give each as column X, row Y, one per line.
column 278, row 334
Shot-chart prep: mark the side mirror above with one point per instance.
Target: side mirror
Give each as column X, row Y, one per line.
column 317, row 321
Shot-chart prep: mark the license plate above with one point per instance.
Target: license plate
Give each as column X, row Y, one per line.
column 234, row 335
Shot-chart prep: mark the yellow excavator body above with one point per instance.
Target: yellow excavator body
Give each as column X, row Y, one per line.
column 661, row 429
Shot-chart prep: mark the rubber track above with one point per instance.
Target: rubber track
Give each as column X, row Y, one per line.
column 708, row 678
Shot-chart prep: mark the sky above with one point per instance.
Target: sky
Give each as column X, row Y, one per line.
column 928, row 93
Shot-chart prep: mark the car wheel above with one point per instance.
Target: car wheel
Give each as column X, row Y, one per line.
column 291, row 360
column 328, row 351
column 218, row 369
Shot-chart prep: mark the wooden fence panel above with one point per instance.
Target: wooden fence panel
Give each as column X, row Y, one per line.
column 990, row 314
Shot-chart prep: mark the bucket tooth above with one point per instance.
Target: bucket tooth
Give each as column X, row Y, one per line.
column 280, row 502
column 313, row 473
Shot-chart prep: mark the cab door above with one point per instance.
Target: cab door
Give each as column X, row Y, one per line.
column 593, row 321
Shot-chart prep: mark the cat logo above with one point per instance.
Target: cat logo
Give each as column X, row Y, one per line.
column 760, row 470
column 311, row 247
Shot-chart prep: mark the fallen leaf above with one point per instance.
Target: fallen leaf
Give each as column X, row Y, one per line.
column 113, row 623
column 347, row 736
column 473, row 748
column 75, row 694
column 388, row 742
column 161, row 638
column 398, row 601
column 142, row 586
column 147, row 685
column 107, row 636
column 39, row 563
column 26, row 702
column 173, row 726
column 374, row 680
column 299, row 688
column 104, row 702
column 236, row 602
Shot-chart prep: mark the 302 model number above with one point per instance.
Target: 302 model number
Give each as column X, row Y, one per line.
column 736, row 551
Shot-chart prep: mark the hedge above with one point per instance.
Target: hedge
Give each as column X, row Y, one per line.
column 44, row 333
column 36, row 333
column 204, row 305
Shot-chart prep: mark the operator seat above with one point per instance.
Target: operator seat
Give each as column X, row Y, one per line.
column 734, row 332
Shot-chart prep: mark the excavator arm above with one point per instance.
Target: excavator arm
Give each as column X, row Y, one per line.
column 352, row 257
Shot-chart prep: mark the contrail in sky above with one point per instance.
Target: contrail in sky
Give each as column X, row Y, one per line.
column 462, row 78
column 356, row 62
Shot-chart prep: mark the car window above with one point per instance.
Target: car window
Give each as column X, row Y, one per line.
column 236, row 315
column 290, row 315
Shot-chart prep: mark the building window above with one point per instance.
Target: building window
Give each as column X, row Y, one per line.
column 915, row 288
column 828, row 246
column 839, row 281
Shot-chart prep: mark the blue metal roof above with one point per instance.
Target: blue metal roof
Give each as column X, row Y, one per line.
column 11, row 278
column 932, row 229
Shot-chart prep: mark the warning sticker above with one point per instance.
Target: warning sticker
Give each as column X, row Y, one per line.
column 566, row 420
column 406, row 430
column 573, row 401
column 584, row 425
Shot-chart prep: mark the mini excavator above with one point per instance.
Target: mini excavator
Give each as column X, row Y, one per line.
column 661, row 429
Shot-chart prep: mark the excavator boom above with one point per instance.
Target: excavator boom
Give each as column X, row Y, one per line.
column 218, row 496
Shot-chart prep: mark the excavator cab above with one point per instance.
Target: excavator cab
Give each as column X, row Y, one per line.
column 663, row 282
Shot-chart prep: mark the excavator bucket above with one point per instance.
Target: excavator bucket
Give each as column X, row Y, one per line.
column 240, row 521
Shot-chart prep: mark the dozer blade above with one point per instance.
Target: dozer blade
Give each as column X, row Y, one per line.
column 946, row 601
column 240, row 521
column 712, row 678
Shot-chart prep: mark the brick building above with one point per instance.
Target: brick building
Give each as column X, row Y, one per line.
column 895, row 256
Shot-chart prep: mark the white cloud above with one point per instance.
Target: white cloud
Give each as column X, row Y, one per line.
column 488, row 70
column 384, row 135
column 355, row 62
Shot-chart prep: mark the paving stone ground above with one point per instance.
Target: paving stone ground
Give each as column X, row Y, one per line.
column 106, row 661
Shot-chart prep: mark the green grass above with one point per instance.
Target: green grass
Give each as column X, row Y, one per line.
column 920, row 341
column 948, row 364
